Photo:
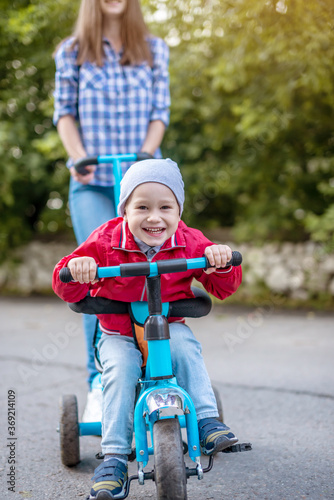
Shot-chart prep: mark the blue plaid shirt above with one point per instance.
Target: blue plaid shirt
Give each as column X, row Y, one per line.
column 113, row 104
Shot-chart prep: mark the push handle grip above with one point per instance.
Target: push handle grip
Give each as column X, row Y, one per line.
column 84, row 162
column 144, row 156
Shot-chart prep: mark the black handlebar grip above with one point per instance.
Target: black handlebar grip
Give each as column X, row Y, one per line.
column 84, row 162
column 235, row 261
column 144, row 156
column 65, row 275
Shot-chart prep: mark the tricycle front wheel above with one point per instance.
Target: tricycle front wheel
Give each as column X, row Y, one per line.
column 169, row 468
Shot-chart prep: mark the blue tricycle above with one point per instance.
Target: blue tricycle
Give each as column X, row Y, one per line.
column 162, row 406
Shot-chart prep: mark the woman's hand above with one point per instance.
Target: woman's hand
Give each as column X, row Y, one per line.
column 70, row 137
column 218, row 256
column 84, row 179
column 83, row 269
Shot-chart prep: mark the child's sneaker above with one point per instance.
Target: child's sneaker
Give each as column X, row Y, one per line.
column 110, row 480
column 214, row 436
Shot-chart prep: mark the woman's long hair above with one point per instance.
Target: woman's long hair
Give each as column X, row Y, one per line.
column 88, row 34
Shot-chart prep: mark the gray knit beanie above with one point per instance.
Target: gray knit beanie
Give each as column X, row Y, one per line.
column 162, row 171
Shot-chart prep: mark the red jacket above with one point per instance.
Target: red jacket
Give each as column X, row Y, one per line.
column 112, row 244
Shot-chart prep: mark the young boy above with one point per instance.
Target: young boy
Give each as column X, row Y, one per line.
column 151, row 204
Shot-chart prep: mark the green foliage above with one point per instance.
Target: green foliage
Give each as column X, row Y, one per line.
column 30, row 151
column 321, row 227
column 252, row 112
column 252, row 88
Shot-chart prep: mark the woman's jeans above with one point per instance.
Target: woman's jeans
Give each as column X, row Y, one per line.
column 90, row 206
column 121, row 361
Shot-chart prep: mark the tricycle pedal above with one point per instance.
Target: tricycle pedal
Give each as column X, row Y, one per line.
column 235, row 448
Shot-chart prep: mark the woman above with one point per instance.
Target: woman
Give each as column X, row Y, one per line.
column 111, row 97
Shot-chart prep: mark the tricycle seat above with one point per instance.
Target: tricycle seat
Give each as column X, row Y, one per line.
column 190, row 308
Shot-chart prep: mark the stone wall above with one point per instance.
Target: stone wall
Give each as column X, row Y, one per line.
column 30, row 268
column 300, row 272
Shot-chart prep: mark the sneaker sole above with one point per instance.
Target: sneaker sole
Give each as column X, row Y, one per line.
column 220, row 446
column 107, row 495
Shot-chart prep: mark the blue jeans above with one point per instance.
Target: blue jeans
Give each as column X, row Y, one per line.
column 121, row 362
column 90, row 206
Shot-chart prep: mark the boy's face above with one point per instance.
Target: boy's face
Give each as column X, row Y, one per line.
column 152, row 213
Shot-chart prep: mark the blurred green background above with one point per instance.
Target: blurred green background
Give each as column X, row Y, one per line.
column 252, row 121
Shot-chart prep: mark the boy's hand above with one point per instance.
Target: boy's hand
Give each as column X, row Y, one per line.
column 218, row 256
column 83, row 269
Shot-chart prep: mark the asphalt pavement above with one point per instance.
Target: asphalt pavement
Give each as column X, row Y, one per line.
column 274, row 371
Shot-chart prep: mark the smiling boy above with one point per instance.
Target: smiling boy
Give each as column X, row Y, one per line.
column 150, row 228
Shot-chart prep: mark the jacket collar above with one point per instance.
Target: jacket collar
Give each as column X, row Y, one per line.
column 122, row 238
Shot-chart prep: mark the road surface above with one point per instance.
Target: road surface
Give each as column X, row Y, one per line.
column 274, row 371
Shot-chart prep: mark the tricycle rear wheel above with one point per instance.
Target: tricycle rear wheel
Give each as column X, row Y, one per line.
column 219, row 404
column 69, row 431
column 169, row 468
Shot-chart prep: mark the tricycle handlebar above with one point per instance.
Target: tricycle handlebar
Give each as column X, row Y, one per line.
column 152, row 268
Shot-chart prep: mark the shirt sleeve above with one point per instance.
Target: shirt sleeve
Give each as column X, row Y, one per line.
column 223, row 282
column 74, row 291
column 161, row 93
column 66, row 82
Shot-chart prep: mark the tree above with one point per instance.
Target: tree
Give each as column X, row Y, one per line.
column 33, row 177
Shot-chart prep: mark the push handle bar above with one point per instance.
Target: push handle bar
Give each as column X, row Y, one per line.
column 95, row 160
column 152, row 268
